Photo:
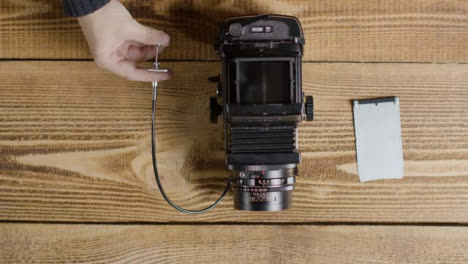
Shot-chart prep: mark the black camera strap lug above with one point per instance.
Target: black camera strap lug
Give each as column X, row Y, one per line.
column 214, row 78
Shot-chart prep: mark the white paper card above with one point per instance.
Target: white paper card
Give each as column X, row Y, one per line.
column 378, row 139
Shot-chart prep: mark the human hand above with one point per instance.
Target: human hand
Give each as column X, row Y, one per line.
column 117, row 42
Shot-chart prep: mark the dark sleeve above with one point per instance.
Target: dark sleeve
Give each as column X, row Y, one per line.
column 76, row 8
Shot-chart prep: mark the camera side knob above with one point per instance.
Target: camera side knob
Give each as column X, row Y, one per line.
column 309, row 105
column 215, row 110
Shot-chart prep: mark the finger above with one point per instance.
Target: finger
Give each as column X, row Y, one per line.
column 147, row 35
column 136, row 43
column 139, row 44
column 140, row 53
column 129, row 70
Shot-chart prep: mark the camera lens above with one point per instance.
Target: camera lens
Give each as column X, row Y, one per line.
column 263, row 188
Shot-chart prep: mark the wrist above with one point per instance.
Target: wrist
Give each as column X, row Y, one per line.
column 79, row 8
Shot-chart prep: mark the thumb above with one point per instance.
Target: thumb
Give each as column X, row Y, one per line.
column 148, row 35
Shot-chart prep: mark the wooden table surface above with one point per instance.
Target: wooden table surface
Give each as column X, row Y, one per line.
column 76, row 181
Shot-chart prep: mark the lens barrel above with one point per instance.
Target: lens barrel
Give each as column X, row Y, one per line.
column 263, row 188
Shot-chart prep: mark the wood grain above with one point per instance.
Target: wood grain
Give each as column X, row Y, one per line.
column 74, row 145
column 343, row 30
column 232, row 244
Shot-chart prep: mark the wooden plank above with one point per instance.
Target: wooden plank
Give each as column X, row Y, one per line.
column 75, row 145
column 232, row 244
column 400, row 30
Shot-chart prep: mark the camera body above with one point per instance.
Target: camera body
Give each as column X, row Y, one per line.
column 262, row 104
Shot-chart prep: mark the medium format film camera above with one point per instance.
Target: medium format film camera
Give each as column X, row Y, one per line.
column 261, row 102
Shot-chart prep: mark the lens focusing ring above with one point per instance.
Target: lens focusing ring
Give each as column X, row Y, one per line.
column 265, row 190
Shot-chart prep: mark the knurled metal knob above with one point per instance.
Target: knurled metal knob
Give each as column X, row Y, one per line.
column 309, row 105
